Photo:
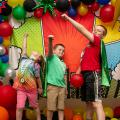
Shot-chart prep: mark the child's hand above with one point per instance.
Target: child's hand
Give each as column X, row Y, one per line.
column 64, row 16
column 50, row 37
column 25, row 35
column 40, row 91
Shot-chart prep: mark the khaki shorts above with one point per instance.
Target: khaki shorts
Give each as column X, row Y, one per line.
column 55, row 98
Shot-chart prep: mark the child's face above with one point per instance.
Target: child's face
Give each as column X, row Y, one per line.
column 99, row 30
column 59, row 51
column 35, row 55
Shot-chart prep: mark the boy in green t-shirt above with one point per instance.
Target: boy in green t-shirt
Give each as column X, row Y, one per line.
column 56, row 84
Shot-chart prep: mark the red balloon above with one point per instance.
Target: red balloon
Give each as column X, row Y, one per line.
column 1, row 83
column 8, row 97
column 38, row 13
column 95, row 6
column 117, row 112
column 76, row 80
column 5, row 29
column 12, row 114
column 107, row 13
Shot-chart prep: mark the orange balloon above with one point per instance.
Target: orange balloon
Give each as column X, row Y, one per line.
column 3, row 114
column 77, row 117
column 6, row 42
column 68, row 113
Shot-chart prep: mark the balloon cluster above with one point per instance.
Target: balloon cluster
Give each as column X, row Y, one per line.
column 80, row 114
column 73, row 7
column 5, row 32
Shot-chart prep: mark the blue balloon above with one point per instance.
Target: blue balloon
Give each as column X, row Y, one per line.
column 72, row 12
column 103, row 2
column 1, row 19
column 1, row 40
column 4, row 58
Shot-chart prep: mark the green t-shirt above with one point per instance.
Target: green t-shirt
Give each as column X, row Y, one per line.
column 55, row 71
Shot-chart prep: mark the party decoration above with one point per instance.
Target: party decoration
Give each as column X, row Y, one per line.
column 78, row 111
column 3, row 68
column 30, row 114
column 68, row 113
column 87, row 2
column 5, row 29
column 1, row 83
column 62, row 5
column 108, row 112
column 117, row 112
column 114, row 119
column 12, row 114
column 113, row 2
column 94, row 116
column 19, row 13
column 38, row 13
column 1, row 40
column 107, row 13
column 21, row 2
column 5, row 58
column 117, row 12
column 29, row 5
column 47, row 5
column 5, row 18
column 7, row 10
column 77, row 117
column 10, row 73
column 72, row 12
column 103, row 2
column 76, row 80
column 3, row 114
column 95, row 6
column 2, row 5
column 13, row 3
column 8, row 97
column 82, row 10
column 1, row 18
column 2, row 50
column 6, row 43
column 75, row 3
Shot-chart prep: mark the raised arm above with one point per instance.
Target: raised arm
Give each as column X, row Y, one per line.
column 50, row 47
column 78, row 70
column 80, row 28
column 24, row 47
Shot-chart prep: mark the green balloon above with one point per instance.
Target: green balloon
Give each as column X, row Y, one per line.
column 0, row 63
column 4, row 67
column 19, row 13
column 5, row 17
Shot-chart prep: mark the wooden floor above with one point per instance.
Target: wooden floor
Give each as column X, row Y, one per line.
column 76, row 103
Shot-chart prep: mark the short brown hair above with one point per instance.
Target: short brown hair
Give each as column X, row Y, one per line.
column 105, row 29
column 56, row 45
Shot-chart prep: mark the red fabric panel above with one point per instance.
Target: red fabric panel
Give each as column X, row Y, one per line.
column 66, row 34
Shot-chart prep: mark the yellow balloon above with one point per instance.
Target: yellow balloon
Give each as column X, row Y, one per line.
column 108, row 112
column 114, row 119
column 78, row 111
column 20, row 2
column 30, row 114
column 13, row 3
column 82, row 10
column 113, row 2
column 94, row 116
